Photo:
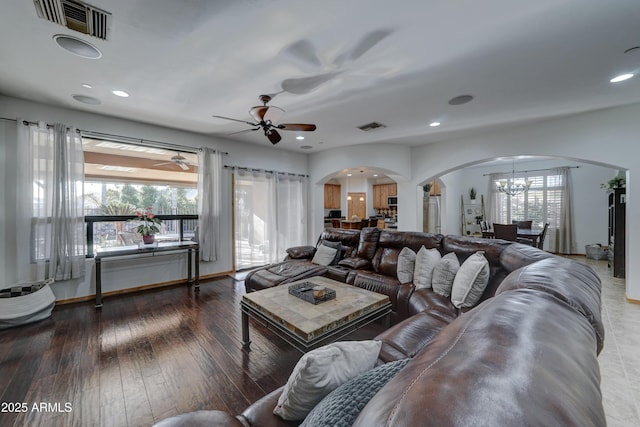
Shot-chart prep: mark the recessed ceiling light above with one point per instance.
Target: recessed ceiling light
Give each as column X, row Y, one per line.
column 87, row 99
column 349, row 174
column 375, row 174
column 87, row 85
column 77, row 46
column 299, row 137
column 459, row 100
column 621, row 78
column 434, row 124
column 120, row 93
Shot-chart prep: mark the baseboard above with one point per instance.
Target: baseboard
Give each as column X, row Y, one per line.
column 631, row 300
column 140, row 288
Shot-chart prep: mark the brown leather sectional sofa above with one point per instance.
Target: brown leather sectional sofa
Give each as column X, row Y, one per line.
column 525, row 355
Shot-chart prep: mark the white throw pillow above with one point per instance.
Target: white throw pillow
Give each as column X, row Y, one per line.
column 470, row 281
column 426, row 260
column 444, row 274
column 406, row 265
column 322, row 370
column 324, row 255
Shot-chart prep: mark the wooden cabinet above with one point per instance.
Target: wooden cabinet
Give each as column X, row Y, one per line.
column 380, row 194
column 617, row 207
column 332, row 196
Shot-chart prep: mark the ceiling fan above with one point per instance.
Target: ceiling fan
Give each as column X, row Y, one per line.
column 265, row 117
column 179, row 160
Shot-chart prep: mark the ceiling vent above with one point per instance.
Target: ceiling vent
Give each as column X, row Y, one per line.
column 75, row 15
column 371, row 126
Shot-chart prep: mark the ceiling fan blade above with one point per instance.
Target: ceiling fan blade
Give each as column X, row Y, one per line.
column 305, row 127
column 183, row 166
column 162, row 164
column 243, row 131
column 236, row 120
column 302, row 85
column 273, row 136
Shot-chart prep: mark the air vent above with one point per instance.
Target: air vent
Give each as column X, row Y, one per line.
column 371, row 126
column 75, row 15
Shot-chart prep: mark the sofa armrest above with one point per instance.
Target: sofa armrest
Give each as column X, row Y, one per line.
column 356, row 263
column 301, row 252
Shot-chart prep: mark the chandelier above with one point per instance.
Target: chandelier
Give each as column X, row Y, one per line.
column 514, row 186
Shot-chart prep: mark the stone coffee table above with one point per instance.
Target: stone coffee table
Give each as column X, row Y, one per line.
column 306, row 326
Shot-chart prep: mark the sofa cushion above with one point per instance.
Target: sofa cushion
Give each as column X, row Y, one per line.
column 320, row 371
column 301, row 252
column 444, row 273
column 343, row 405
column 324, row 255
column 406, row 265
column 426, row 260
column 368, row 242
column 470, row 281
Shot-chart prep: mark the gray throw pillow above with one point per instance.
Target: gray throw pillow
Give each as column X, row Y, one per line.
column 322, row 370
column 426, row 260
column 444, row 273
column 334, row 245
column 324, row 255
column 470, row 282
column 406, row 265
column 341, row 407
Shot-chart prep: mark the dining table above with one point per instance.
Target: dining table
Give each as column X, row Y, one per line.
column 532, row 234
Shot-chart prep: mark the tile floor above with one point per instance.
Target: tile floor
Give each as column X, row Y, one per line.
column 620, row 358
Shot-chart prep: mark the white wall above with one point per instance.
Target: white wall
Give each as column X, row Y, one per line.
column 607, row 137
column 589, row 201
column 138, row 272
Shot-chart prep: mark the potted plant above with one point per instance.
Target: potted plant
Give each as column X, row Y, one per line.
column 426, row 189
column 616, row 182
column 147, row 225
column 472, row 194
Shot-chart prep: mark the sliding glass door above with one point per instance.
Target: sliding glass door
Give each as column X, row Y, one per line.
column 269, row 216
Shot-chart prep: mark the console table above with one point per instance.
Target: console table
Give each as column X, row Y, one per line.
column 128, row 252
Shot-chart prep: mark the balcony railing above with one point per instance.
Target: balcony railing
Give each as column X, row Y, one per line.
column 114, row 230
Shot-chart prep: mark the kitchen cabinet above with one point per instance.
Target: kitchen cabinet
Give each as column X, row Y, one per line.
column 332, row 196
column 380, row 194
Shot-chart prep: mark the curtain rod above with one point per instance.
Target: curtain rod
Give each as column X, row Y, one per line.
column 141, row 141
column 533, row 170
column 264, row 170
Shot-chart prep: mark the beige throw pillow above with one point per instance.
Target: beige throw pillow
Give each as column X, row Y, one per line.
column 426, row 260
column 406, row 265
column 324, row 255
column 470, row 281
column 444, row 274
column 322, row 370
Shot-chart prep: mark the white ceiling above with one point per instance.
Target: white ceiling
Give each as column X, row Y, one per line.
column 397, row 63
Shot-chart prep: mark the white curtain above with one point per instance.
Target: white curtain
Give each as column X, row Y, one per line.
column 270, row 215
column 561, row 239
column 56, row 194
column 209, row 203
column 497, row 201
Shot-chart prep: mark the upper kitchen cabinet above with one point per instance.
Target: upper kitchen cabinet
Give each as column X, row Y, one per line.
column 381, row 193
column 332, row 196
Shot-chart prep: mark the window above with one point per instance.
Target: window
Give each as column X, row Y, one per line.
column 541, row 204
column 122, row 178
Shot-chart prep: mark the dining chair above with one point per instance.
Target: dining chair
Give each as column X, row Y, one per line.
column 542, row 236
column 525, row 225
column 505, row 231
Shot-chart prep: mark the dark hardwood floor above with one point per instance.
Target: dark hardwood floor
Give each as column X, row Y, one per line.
column 143, row 357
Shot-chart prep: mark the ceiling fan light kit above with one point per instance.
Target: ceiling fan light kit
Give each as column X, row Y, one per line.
column 265, row 116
